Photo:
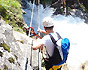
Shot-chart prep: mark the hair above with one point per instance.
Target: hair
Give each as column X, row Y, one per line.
column 49, row 27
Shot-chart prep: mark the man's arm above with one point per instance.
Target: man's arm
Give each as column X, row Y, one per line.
column 38, row 46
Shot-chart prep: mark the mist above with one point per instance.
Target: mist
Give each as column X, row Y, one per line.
column 76, row 31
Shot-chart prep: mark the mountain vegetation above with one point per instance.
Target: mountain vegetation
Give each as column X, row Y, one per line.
column 10, row 11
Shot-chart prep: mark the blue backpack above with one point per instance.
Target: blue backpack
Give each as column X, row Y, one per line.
column 65, row 46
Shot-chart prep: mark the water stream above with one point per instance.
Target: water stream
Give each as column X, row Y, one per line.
column 73, row 28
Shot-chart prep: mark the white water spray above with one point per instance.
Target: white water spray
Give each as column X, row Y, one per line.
column 70, row 27
column 76, row 30
column 43, row 13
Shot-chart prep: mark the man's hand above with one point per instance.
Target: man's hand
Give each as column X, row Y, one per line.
column 41, row 31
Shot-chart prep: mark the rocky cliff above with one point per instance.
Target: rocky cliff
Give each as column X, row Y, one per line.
column 15, row 49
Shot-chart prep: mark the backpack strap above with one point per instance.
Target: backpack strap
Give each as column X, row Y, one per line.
column 53, row 40
column 59, row 37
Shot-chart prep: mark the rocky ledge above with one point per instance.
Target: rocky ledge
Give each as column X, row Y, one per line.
column 15, row 49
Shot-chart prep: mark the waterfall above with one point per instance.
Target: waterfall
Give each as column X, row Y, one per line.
column 76, row 30
column 70, row 27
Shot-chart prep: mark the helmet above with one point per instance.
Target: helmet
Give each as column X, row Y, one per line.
column 47, row 22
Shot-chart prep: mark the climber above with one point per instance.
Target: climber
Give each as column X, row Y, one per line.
column 47, row 42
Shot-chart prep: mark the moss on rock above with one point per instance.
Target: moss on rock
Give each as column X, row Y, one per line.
column 5, row 67
column 5, row 46
column 16, row 56
column 1, row 54
column 11, row 60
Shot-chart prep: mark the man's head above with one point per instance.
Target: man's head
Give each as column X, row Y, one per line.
column 47, row 22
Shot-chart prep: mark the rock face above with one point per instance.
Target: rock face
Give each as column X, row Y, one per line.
column 15, row 48
column 7, row 37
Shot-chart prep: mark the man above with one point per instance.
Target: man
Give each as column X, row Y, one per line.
column 47, row 42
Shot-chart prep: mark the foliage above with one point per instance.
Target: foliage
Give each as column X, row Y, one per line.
column 1, row 53
column 5, row 46
column 11, row 60
column 47, row 2
column 18, row 29
column 83, row 7
column 12, row 6
column 11, row 12
column 5, row 67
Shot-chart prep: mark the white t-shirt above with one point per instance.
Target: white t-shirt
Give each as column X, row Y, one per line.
column 48, row 43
